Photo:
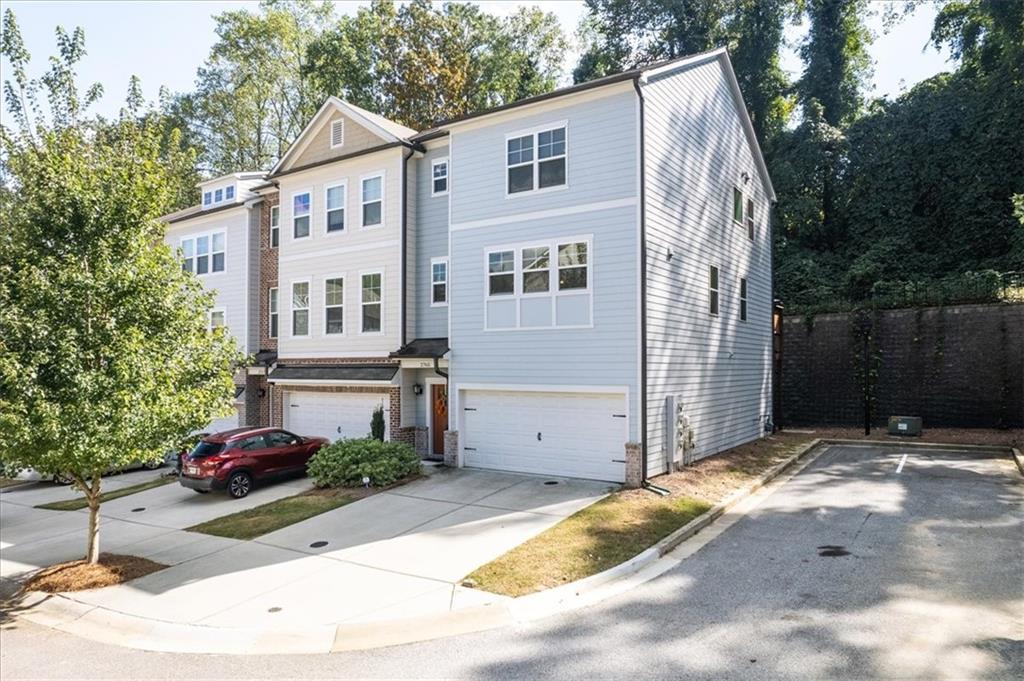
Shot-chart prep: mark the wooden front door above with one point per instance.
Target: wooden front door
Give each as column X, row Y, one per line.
column 439, row 416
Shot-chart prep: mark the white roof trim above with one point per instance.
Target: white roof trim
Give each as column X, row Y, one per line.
column 360, row 116
column 722, row 55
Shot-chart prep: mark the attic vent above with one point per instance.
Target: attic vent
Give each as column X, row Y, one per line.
column 337, row 133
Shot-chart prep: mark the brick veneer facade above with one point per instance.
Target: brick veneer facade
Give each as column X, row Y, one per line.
column 268, row 273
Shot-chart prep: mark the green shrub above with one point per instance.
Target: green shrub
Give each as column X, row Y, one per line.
column 346, row 462
column 377, row 424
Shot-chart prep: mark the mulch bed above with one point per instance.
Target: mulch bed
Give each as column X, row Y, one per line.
column 1010, row 437
column 79, row 575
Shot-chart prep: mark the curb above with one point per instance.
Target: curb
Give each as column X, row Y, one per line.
column 992, row 449
column 1018, row 459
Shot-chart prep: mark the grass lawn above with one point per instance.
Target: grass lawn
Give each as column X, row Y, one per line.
column 80, row 502
column 626, row 523
column 10, row 482
column 260, row 520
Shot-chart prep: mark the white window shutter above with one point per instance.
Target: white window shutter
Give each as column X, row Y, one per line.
column 337, row 133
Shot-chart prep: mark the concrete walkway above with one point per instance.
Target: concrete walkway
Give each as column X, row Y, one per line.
column 396, row 554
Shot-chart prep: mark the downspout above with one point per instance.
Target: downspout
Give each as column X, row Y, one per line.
column 404, row 258
column 643, row 290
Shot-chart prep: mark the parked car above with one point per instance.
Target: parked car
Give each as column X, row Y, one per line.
column 176, row 455
column 65, row 479
column 235, row 460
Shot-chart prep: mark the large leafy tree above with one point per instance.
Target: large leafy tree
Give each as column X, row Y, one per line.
column 419, row 63
column 836, row 60
column 105, row 356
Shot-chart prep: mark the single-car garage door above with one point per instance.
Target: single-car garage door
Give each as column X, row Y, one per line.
column 577, row 435
column 332, row 415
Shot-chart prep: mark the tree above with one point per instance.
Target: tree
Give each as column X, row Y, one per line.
column 105, row 355
column 836, row 60
column 418, row 63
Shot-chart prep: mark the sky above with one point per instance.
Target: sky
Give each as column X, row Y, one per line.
column 165, row 42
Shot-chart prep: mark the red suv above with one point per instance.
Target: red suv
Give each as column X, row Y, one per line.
column 235, row 459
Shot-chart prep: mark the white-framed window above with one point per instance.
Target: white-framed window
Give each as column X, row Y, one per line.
column 438, row 282
column 275, row 226
column 334, row 206
column 273, row 315
column 439, row 177
column 737, row 205
column 204, row 253
column 217, row 319
column 207, row 198
column 337, row 133
column 229, row 192
column 743, row 299
column 712, row 290
column 537, row 285
column 218, row 195
column 334, row 305
column 372, row 194
column 300, row 308
column 302, row 207
column 372, row 302
column 536, row 160
column 501, row 273
column 750, row 219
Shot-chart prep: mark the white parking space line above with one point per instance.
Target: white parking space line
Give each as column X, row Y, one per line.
column 903, row 460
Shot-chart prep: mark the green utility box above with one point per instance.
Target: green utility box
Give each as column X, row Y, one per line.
column 905, row 425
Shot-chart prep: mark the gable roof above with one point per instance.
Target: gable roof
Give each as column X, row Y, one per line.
column 387, row 130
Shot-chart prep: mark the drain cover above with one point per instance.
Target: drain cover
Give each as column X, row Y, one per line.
column 832, row 551
column 551, row 482
column 317, row 544
column 139, row 509
column 274, row 609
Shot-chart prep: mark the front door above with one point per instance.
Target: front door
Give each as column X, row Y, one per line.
column 439, row 416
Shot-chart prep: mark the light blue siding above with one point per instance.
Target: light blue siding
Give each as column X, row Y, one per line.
column 696, row 152
column 431, row 241
column 604, row 355
column 601, row 147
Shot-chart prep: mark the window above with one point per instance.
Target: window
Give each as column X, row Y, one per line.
column 371, row 302
column 334, row 305
column 439, row 177
column 216, row 319
column 217, row 252
column 272, row 305
column 229, row 192
column 207, row 198
column 373, row 205
column 546, row 169
column 335, row 202
column 280, row 438
column 536, row 268
column 300, row 308
column 218, row 195
column 743, row 299
column 252, row 443
column 188, row 254
column 202, row 254
column 275, row 226
column 439, row 281
column 501, row 266
column 750, row 219
column 713, row 290
column 737, row 205
column 300, row 214
column 572, row 266
column 337, row 133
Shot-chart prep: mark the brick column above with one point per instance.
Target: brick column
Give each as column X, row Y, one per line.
column 451, row 448
column 395, row 413
column 634, row 465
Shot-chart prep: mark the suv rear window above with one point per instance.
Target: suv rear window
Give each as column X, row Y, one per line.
column 207, row 449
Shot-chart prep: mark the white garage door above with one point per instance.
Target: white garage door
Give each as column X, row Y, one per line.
column 228, row 422
column 332, row 415
column 577, row 435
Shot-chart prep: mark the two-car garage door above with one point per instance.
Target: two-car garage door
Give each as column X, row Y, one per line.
column 578, row 435
column 332, row 415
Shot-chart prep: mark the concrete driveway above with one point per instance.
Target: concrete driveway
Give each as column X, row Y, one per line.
column 395, row 554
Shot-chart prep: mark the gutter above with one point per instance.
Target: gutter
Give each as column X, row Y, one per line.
column 643, row 290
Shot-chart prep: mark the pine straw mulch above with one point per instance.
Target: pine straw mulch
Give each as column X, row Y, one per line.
column 1008, row 437
column 78, row 575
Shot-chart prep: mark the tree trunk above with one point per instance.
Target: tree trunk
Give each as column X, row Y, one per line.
column 92, row 546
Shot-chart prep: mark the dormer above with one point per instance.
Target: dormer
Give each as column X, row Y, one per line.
column 228, row 189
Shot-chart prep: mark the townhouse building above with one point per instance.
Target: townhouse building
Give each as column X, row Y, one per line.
column 576, row 284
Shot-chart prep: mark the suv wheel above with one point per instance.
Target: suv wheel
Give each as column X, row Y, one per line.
column 153, row 465
column 239, row 484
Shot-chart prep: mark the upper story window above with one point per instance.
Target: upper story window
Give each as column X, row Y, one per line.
column 301, row 206
column 501, row 273
column 273, row 312
column 737, row 205
column 439, row 281
column 750, row 219
column 572, row 266
column 743, row 299
column 275, row 226
column 207, row 198
column 334, row 200
column 536, row 161
column 203, row 253
column 337, row 133
column 218, row 195
column 334, row 305
column 229, row 192
column 216, row 319
column 712, row 290
column 372, row 304
column 300, row 308
column 439, row 177
column 373, row 200
column 536, row 269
